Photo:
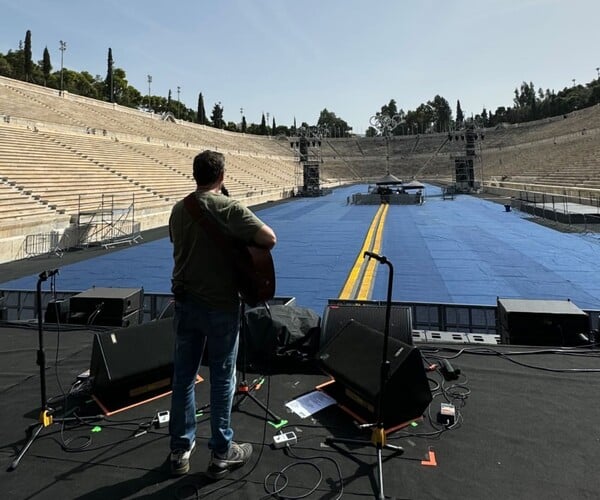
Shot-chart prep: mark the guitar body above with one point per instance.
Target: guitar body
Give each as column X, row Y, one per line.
column 255, row 274
column 253, row 265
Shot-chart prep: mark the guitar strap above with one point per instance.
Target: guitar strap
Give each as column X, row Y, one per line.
column 255, row 284
column 190, row 202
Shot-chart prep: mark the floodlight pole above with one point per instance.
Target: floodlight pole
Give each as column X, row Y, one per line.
column 149, row 92
column 63, row 47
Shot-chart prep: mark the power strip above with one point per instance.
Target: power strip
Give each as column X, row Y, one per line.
column 283, row 440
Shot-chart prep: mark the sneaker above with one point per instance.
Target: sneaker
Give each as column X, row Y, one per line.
column 180, row 460
column 237, row 456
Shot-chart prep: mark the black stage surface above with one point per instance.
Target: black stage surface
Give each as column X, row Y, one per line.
column 521, row 433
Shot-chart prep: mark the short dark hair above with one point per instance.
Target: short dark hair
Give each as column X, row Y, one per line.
column 208, row 167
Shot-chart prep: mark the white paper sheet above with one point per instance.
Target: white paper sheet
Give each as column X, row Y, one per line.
column 310, row 403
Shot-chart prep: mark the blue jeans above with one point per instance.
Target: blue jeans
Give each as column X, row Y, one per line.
column 197, row 325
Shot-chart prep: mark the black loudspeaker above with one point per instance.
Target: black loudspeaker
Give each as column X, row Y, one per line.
column 57, row 311
column 311, row 177
column 336, row 316
column 133, row 364
column 542, row 322
column 353, row 358
column 106, row 306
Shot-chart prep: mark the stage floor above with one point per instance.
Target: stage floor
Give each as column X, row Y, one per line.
column 521, row 433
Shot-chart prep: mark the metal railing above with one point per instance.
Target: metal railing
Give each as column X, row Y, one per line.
column 19, row 305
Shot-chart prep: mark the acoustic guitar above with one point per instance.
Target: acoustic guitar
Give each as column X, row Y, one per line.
column 255, row 273
column 253, row 265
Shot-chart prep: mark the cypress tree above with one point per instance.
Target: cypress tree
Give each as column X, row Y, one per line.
column 460, row 117
column 244, row 125
column 27, row 60
column 201, row 116
column 46, row 66
column 263, row 126
column 109, row 84
column 274, row 126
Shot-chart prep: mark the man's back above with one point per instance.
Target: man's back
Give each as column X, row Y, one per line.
column 200, row 265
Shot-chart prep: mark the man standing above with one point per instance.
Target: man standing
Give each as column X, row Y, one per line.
column 207, row 312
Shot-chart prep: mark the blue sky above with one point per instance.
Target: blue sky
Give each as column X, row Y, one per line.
column 292, row 59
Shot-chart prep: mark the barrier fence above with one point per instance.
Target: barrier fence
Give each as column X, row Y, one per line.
column 20, row 305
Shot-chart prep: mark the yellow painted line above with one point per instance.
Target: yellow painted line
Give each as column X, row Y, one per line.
column 355, row 271
column 366, row 286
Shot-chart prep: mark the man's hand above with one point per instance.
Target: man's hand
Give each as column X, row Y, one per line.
column 265, row 237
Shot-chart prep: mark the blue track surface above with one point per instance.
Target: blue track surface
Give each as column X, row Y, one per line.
column 465, row 250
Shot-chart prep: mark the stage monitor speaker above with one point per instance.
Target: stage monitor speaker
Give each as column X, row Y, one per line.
column 542, row 322
column 132, row 364
column 57, row 311
column 353, row 358
column 105, row 306
column 336, row 316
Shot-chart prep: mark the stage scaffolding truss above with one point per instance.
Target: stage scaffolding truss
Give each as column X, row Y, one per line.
column 109, row 221
column 307, row 148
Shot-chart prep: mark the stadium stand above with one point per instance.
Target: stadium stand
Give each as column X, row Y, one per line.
column 50, row 143
column 64, row 157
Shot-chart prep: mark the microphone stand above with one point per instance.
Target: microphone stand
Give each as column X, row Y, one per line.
column 378, row 437
column 46, row 418
column 245, row 389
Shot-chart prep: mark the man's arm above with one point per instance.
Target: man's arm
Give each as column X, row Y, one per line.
column 265, row 237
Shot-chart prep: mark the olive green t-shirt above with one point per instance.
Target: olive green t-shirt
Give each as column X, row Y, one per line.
column 200, row 266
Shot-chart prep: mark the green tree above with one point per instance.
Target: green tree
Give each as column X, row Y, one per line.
column 231, row 126
column 27, row 59
column 46, row 66
column 335, row 126
column 442, row 113
column 5, row 66
column 123, row 93
column 217, row 116
column 460, row 117
column 201, row 115
column 390, row 109
column 263, row 125
column 484, row 118
column 15, row 59
column 109, row 83
column 371, row 132
column 244, row 125
column 254, row 129
column 274, row 127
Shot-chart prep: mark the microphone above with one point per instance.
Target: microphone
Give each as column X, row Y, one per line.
column 380, row 258
column 44, row 275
